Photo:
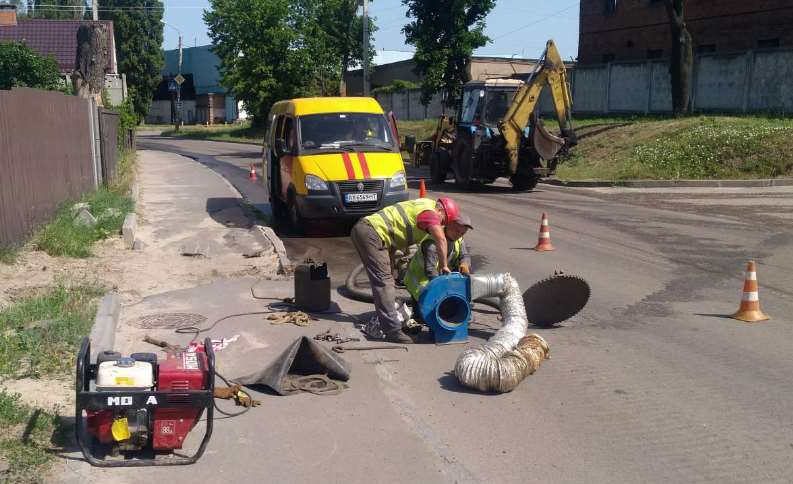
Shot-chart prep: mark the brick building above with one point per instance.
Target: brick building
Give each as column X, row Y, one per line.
column 628, row 30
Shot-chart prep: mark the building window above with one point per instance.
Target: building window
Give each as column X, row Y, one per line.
column 611, row 7
column 655, row 53
column 768, row 43
column 706, row 49
column 608, row 58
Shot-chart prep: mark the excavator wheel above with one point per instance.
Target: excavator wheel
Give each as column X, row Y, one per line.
column 439, row 166
column 523, row 183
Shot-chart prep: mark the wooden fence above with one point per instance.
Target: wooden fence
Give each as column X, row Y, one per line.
column 53, row 149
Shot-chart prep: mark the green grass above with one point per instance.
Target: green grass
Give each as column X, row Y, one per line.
column 701, row 147
column 29, row 437
column 63, row 237
column 40, row 334
column 241, row 133
column 8, row 253
column 420, row 129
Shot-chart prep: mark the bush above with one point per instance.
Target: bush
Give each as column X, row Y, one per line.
column 21, row 66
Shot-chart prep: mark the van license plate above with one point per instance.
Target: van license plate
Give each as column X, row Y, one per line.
column 360, row 197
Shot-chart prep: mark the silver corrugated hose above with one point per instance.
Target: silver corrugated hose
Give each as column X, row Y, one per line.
column 509, row 356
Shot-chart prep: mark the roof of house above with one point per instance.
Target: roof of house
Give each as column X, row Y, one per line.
column 57, row 38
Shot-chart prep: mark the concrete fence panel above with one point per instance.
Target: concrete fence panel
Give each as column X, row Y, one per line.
column 720, row 83
column 771, row 87
column 590, row 89
column 660, row 88
column 45, row 157
column 629, row 88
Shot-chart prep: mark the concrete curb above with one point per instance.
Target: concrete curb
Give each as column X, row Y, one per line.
column 285, row 266
column 128, row 230
column 760, row 183
column 103, row 333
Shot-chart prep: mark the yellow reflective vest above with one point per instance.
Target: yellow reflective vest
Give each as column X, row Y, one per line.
column 416, row 278
column 396, row 224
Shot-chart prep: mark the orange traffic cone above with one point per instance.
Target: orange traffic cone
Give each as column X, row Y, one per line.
column 750, row 302
column 252, row 176
column 422, row 189
column 544, row 241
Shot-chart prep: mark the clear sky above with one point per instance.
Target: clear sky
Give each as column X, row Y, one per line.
column 518, row 27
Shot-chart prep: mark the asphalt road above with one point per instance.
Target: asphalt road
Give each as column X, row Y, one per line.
column 651, row 382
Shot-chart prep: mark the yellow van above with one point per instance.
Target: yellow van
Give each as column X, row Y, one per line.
column 331, row 157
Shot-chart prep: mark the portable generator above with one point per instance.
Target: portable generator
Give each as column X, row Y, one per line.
column 138, row 405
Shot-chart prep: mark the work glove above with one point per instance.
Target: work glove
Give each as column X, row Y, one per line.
column 464, row 269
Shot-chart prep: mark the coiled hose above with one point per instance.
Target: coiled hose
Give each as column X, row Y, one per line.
column 360, row 294
column 509, row 356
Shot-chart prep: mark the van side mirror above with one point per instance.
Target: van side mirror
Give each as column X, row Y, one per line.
column 280, row 147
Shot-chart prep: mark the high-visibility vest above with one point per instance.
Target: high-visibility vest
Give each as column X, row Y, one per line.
column 396, row 224
column 416, row 278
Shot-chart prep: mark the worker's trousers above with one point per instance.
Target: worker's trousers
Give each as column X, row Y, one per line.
column 376, row 259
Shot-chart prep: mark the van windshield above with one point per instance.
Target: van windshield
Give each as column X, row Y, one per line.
column 345, row 130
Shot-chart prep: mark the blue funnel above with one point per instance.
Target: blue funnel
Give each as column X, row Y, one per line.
column 445, row 305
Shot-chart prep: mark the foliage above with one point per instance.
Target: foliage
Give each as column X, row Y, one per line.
column 685, row 148
column 28, row 457
column 40, row 333
column 8, row 254
column 445, row 34
column 63, row 237
column 395, row 86
column 138, row 28
column 238, row 133
column 280, row 49
column 60, row 10
column 21, row 66
column 344, row 30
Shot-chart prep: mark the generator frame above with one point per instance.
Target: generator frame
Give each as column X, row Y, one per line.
column 87, row 399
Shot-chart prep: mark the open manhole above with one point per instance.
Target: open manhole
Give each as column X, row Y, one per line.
column 169, row 320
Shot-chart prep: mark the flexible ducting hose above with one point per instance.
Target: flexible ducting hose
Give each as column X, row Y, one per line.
column 509, row 356
column 359, row 294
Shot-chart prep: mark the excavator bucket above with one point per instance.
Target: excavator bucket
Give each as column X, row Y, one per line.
column 545, row 143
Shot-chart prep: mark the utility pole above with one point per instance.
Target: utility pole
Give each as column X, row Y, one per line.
column 179, row 88
column 365, row 50
column 95, row 9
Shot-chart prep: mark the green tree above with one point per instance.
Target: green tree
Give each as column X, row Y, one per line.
column 21, row 66
column 279, row 49
column 59, row 9
column 445, row 34
column 139, row 31
column 338, row 20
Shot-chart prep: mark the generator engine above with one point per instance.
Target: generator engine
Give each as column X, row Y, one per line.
column 134, row 404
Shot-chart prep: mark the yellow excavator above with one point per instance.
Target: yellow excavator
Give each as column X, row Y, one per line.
column 497, row 132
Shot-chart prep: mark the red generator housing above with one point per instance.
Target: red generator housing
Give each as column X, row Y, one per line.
column 179, row 372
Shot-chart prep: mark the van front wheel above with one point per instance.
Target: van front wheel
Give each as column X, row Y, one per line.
column 296, row 220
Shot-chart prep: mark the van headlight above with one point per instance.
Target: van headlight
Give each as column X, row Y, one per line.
column 315, row 184
column 399, row 180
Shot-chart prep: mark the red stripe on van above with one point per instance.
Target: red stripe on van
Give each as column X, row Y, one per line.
column 348, row 166
column 364, row 166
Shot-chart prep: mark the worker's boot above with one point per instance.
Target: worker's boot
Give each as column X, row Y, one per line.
column 398, row 336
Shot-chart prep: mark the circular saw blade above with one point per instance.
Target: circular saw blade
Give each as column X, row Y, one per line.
column 555, row 299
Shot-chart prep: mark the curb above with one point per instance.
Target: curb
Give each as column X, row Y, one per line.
column 285, row 266
column 103, row 332
column 760, row 183
column 128, row 230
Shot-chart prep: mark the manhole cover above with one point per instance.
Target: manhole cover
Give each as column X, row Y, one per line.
column 169, row 320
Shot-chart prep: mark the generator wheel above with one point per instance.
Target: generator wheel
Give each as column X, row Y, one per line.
column 439, row 166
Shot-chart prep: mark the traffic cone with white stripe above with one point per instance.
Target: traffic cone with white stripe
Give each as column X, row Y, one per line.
column 750, row 302
column 544, row 241
column 252, row 176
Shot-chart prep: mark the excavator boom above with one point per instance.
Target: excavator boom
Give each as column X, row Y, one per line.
column 551, row 72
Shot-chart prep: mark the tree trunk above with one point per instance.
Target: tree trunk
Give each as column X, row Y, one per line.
column 682, row 62
column 345, row 61
column 89, row 69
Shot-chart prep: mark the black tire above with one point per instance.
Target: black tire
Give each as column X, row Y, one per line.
column 296, row 221
column 523, row 183
column 439, row 167
column 461, row 166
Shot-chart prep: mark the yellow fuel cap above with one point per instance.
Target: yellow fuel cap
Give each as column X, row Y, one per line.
column 120, row 429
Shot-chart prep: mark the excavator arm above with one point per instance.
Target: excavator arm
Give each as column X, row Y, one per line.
column 519, row 115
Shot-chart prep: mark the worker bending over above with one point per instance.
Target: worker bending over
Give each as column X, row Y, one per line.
column 424, row 264
column 397, row 227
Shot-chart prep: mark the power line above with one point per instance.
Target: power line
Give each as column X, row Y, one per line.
column 537, row 21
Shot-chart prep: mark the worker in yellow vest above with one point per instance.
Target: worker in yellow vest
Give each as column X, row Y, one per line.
column 397, row 227
column 424, row 264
